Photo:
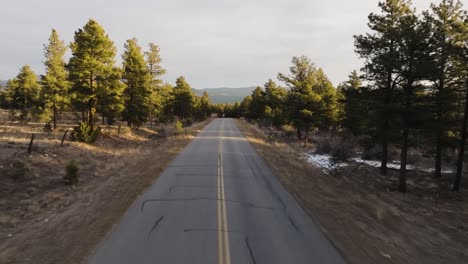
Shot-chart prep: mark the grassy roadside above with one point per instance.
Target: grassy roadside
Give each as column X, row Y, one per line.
column 71, row 231
column 364, row 224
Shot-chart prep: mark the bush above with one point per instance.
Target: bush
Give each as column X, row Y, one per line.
column 179, row 127
column 84, row 133
column 338, row 149
column 19, row 170
column 72, row 175
column 288, row 130
column 48, row 128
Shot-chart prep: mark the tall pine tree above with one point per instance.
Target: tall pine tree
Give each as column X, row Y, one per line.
column 55, row 83
column 92, row 62
column 138, row 80
column 379, row 49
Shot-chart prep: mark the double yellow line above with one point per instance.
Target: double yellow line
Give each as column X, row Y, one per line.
column 224, row 256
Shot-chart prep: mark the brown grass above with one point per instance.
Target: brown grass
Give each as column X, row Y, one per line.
column 366, row 222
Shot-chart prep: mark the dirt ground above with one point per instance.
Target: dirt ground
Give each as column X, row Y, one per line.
column 44, row 221
column 364, row 218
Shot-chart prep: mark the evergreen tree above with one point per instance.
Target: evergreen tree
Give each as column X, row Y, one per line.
column 153, row 60
column 110, row 98
column 54, row 83
column 203, row 106
column 311, row 99
column 183, row 99
column 275, row 97
column 138, row 80
column 92, row 62
column 257, row 105
column 167, row 100
column 461, row 47
column 380, row 51
column 23, row 92
column 413, row 59
column 355, row 103
column 443, row 19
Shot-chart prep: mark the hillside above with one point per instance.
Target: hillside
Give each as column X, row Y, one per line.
column 226, row 95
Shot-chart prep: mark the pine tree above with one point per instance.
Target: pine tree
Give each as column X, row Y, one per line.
column 153, row 61
column 275, row 97
column 203, row 106
column 354, row 104
column 442, row 20
column 380, row 51
column 311, row 99
column 413, row 60
column 92, row 62
column 183, row 99
column 137, row 79
column 166, row 94
column 461, row 47
column 54, row 83
column 23, row 92
column 257, row 105
column 110, row 98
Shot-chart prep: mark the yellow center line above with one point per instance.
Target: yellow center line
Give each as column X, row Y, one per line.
column 223, row 235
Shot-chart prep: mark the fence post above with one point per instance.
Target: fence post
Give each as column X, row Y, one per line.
column 31, row 144
column 63, row 138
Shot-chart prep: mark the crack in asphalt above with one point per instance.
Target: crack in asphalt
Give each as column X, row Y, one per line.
column 250, row 250
column 293, row 224
column 156, row 223
column 245, row 204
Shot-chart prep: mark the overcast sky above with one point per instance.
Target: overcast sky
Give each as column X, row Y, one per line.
column 213, row 43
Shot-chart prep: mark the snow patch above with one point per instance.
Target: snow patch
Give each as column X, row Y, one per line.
column 327, row 163
column 324, row 161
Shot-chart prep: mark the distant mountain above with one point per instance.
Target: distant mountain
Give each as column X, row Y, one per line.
column 3, row 83
column 226, row 95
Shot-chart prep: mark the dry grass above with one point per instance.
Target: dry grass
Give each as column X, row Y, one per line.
column 43, row 221
column 364, row 221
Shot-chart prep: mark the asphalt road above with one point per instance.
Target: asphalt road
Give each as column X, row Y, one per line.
column 217, row 202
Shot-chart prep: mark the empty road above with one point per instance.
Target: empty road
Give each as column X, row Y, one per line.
column 217, row 202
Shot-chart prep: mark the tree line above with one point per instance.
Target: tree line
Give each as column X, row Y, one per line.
column 92, row 84
column 411, row 92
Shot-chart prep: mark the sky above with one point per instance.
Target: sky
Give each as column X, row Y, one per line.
column 212, row 43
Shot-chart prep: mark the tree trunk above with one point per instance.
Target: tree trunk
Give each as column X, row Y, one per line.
column 299, row 134
column 384, row 159
column 54, row 115
column 403, row 157
column 461, row 152
column 438, row 158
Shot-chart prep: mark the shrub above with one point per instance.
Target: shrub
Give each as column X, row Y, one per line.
column 288, row 130
column 48, row 128
column 179, row 127
column 19, row 170
column 338, row 149
column 72, row 175
column 84, row 133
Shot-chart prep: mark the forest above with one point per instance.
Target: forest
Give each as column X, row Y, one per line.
column 411, row 93
column 92, row 85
